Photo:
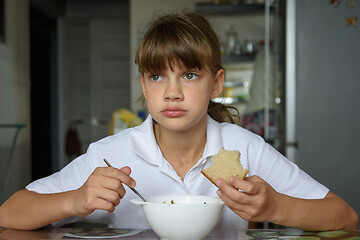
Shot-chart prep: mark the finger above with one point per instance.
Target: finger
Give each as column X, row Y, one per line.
column 120, row 175
column 238, row 198
column 228, row 189
column 109, row 195
column 235, row 205
column 114, row 185
column 102, row 204
column 248, row 186
column 254, row 178
column 92, row 202
column 231, row 195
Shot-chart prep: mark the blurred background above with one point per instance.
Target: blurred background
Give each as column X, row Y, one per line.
column 68, row 78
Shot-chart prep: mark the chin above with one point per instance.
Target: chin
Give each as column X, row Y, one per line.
column 181, row 124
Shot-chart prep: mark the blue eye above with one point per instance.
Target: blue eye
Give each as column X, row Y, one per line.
column 156, row 77
column 190, row 76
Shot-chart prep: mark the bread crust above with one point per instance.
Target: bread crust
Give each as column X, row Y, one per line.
column 246, row 171
column 208, row 177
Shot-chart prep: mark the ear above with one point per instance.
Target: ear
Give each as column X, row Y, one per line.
column 143, row 85
column 218, row 84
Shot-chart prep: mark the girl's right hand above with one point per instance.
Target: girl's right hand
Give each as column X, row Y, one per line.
column 102, row 190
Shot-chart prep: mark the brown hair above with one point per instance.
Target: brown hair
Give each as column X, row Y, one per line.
column 187, row 38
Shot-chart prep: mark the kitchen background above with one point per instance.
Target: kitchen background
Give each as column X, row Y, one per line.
column 66, row 66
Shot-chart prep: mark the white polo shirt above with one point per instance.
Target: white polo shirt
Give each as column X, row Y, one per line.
column 137, row 148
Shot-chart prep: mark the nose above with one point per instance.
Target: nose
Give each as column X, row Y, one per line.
column 173, row 91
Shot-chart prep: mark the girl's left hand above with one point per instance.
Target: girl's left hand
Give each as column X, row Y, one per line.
column 252, row 199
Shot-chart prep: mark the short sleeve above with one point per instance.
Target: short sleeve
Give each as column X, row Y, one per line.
column 71, row 177
column 283, row 175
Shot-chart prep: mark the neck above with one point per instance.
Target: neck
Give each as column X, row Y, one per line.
column 181, row 149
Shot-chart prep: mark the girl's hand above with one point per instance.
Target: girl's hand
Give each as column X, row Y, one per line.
column 102, row 190
column 252, row 199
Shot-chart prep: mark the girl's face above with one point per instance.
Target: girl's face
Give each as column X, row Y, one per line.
column 178, row 98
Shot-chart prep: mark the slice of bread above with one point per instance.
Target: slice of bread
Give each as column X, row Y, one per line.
column 224, row 165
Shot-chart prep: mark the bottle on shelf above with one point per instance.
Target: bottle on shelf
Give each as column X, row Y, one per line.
column 232, row 41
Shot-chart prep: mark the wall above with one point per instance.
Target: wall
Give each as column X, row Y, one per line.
column 96, row 9
column 15, row 95
column 327, row 90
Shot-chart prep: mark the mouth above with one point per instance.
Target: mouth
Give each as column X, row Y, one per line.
column 173, row 112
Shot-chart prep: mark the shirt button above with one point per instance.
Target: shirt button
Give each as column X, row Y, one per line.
column 192, row 175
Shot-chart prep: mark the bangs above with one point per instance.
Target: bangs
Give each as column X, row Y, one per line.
column 169, row 47
column 171, row 43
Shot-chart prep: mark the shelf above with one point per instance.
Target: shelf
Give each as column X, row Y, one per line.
column 210, row 8
column 239, row 58
column 12, row 125
column 229, row 100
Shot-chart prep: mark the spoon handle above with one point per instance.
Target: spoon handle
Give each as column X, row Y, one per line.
column 133, row 189
column 139, row 195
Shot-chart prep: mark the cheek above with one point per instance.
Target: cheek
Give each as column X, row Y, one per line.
column 199, row 98
column 152, row 99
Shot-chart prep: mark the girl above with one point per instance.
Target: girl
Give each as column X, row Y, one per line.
column 180, row 64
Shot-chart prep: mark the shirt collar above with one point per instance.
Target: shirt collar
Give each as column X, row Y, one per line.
column 214, row 140
column 145, row 145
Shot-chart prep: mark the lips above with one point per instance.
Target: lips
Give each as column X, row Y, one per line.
column 173, row 112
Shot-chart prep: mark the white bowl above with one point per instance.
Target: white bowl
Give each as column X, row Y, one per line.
column 182, row 217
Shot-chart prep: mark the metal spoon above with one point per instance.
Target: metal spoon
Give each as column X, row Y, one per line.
column 133, row 189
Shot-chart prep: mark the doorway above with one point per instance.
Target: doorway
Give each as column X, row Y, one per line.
column 43, row 96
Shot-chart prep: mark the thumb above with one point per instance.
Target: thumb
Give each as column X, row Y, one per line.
column 126, row 170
